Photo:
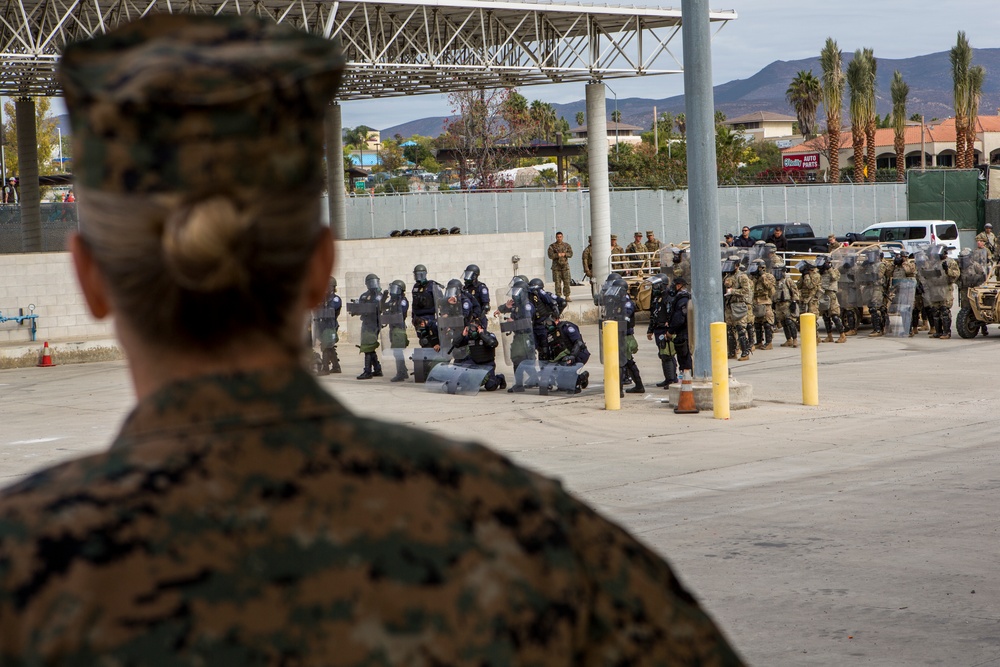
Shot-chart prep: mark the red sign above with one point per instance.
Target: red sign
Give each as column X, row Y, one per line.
column 800, row 161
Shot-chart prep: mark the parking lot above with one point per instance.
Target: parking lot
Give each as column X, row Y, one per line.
column 857, row 532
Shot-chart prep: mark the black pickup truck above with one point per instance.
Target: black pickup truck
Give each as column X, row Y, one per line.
column 799, row 236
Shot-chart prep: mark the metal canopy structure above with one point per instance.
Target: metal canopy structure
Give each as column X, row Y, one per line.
column 394, row 47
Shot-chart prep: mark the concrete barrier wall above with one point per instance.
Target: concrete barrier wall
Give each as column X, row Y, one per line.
column 48, row 281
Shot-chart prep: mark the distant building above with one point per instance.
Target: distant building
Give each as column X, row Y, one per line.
column 938, row 139
column 766, row 126
column 622, row 133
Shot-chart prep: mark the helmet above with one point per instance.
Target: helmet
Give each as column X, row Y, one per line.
column 537, row 283
column 443, row 231
column 778, row 271
column 620, row 283
column 406, row 232
column 761, row 243
column 823, row 263
column 471, row 274
column 871, row 254
column 897, row 257
column 394, row 233
column 455, row 230
column 432, row 232
column 965, row 252
column 730, row 264
column 333, row 284
column 612, row 277
column 771, row 247
column 420, row 273
column 372, row 282
column 518, row 289
column 804, row 266
column 943, row 251
column 453, row 289
column 397, row 287
column 658, row 282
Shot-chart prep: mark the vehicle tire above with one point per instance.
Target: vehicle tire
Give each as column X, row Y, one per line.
column 967, row 324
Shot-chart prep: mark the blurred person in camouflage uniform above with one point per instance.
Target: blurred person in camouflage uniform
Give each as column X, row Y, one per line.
column 786, row 297
column 618, row 262
column 737, row 290
column 809, row 290
column 560, row 252
column 243, row 516
column 828, row 303
column 635, row 252
column 990, row 242
column 652, row 243
column 764, row 285
column 327, row 329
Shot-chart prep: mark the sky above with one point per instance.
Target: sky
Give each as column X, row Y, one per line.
column 766, row 31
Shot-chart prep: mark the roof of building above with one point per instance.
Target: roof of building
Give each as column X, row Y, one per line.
column 940, row 131
column 761, row 117
column 611, row 127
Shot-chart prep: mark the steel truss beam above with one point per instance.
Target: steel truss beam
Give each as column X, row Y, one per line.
column 395, row 47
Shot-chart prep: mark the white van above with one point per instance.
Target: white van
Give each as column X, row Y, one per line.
column 914, row 233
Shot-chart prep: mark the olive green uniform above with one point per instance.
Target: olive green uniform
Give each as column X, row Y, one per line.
column 560, row 266
column 737, row 289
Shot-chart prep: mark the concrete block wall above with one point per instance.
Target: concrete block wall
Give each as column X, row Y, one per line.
column 48, row 281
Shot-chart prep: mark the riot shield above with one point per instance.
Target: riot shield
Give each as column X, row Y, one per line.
column 394, row 338
column 974, row 265
column 324, row 327
column 932, row 275
column 867, row 272
column 848, row 288
column 559, row 377
column 612, row 308
column 758, row 251
column 362, row 311
column 903, row 291
column 451, row 324
column 462, row 379
column 516, row 332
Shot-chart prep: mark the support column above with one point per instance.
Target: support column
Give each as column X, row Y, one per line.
column 27, row 165
column 597, row 163
column 337, row 197
column 703, row 201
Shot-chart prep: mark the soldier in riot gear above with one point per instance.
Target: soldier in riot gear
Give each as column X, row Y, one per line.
column 871, row 282
column 565, row 347
column 737, row 290
column 424, row 296
column 764, row 286
column 677, row 328
column 366, row 307
column 786, row 297
column 479, row 292
column 939, row 274
column 326, row 330
column 481, row 351
column 659, row 319
column 972, row 265
column 456, row 311
column 519, row 327
column 810, row 286
column 393, row 315
column 828, row 302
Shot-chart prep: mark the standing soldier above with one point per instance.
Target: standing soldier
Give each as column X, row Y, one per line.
column 393, row 315
column 366, row 307
column 424, row 296
column 786, row 296
column 677, row 330
column 810, row 286
column 588, row 261
column 325, row 319
column 764, row 286
column 479, row 293
column 631, row 345
column 559, row 253
column 828, row 304
column 871, row 287
column 989, row 240
column 659, row 320
column 737, row 293
column 939, row 274
column 635, row 252
column 618, row 264
column 653, row 244
column 973, row 266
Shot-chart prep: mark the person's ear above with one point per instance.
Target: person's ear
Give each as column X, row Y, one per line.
column 89, row 277
column 319, row 270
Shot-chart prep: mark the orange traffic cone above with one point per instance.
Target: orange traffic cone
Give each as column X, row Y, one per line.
column 685, row 402
column 46, row 361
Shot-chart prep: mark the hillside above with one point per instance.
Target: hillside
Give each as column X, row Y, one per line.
column 928, row 76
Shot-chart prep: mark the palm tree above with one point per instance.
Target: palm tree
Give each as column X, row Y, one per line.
column 616, row 116
column 831, row 59
column 976, row 76
column 680, row 120
column 871, row 111
column 804, row 94
column 857, row 81
column 580, row 117
column 961, row 57
column 899, row 91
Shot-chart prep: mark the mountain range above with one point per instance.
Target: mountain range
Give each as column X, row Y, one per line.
column 929, row 78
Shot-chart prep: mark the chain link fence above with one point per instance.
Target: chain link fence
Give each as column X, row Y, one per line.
column 58, row 220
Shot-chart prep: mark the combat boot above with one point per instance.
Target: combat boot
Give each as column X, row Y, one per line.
column 787, row 343
column 875, row 334
column 638, row 388
column 944, row 336
column 334, row 361
column 795, row 342
column 842, row 339
column 829, row 338
column 769, row 346
column 365, row 375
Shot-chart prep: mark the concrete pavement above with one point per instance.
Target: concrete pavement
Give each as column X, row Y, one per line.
column 850, row 533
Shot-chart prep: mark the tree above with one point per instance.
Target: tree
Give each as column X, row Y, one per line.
column 976, row 76
column 681, row 122
column 390, row 156
column 899, row 91
column 831, row 60
column 804, row 94
column 515, row 113
column 580, row 117
column 358, row 136
column 616, row 116
column 961, row 58
column 871, row 114
column 47, row 136
column 857, row 80
column 482, row 125
column 543, row 120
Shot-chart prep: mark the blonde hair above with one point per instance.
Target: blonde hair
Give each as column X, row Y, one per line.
column 204, row 271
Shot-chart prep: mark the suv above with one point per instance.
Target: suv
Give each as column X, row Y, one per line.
column 914, row 234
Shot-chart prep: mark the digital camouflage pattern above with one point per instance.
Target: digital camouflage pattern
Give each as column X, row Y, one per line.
column 250, row 519
column 196, row 104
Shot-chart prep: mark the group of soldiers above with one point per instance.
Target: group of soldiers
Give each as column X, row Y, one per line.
column 457, row 351
column 632, row 259
column 903, row 293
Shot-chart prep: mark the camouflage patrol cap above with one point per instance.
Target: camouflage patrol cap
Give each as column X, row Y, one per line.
column 199, row 105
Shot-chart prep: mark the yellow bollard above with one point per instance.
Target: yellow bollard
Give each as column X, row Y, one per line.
column 612, row 389
column 810, row 372
column 720, row 371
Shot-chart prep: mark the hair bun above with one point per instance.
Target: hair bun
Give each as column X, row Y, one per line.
column 205, row 243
